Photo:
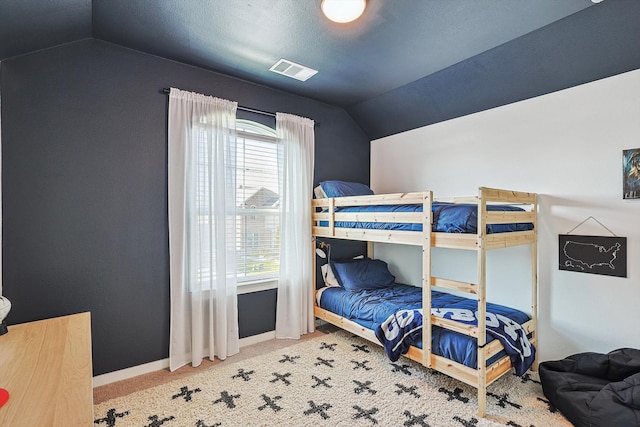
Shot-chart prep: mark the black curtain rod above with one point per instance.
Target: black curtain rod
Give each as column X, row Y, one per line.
column 250, row 110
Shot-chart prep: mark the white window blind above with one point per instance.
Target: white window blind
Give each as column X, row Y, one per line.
column 257, row 221
column 257, row 204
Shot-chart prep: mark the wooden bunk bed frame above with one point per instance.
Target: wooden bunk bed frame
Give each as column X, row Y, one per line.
column 480, row 378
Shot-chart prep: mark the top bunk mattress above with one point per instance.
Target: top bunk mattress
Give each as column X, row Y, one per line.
column 447, row 218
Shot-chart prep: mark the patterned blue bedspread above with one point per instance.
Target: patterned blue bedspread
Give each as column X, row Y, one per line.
column 371, row 308
column 404, row 327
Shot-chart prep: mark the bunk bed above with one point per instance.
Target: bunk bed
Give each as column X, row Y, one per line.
column 493, row 219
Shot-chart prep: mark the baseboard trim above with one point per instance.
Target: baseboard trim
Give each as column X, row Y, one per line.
column 255, row 339
column 134, row 371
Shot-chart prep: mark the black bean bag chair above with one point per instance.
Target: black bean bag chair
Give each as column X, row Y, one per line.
column 594, row 389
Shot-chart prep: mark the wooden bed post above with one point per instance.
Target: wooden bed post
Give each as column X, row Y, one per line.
column 313, row 265
column 482, row 304
column 314, row 283
column 427, row 221
column 534, row 283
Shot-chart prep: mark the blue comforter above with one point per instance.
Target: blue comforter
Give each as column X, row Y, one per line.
column 402, row 328
column 371, row 308
column 447, row 218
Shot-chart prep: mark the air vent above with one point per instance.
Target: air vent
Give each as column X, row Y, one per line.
column 293, row 70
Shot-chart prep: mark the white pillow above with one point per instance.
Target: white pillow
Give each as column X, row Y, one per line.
column 319, row 192
column 328, row 276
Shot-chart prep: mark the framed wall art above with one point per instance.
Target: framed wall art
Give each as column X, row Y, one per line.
column 631, row 173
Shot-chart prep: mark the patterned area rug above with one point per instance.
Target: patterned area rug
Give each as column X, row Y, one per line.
column 333, row 380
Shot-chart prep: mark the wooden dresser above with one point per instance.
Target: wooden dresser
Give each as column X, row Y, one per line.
column 46, row 367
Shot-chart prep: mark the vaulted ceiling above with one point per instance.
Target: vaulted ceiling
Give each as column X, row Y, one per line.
column 402, row 65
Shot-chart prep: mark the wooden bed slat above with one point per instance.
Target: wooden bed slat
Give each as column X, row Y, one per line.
column 381, row 236
column 455, row 241
column 456, row 370
column 506, row 196
column 459, row 327
column 515, row 238
column 498, row 369
column 390, row 217
column 507, row 217
column 382, row 199
column 455, row 285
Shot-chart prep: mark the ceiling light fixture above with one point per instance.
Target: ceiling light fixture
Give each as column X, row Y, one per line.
column 343, row 11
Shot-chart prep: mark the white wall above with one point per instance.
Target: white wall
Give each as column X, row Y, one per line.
column 566, row 146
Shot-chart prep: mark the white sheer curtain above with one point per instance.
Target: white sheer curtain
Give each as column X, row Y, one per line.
column 201, row 171
column 294, row 312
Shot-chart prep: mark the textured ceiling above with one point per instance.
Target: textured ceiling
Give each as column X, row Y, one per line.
column 403, row 64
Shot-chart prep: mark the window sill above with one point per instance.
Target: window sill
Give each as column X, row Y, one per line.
column 257, row 286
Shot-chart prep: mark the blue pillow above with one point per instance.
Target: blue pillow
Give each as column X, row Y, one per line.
column 364, row 273
column 344, row 188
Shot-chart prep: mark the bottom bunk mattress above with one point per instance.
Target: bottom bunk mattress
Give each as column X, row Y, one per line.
column 377, row 309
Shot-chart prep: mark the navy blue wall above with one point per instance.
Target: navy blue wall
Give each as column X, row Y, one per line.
column 84, row 189
column 598, row 42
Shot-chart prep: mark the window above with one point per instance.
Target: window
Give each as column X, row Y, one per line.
column 257, row 203
column 257, row 221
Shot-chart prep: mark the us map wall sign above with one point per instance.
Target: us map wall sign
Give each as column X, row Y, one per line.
column 593, row 254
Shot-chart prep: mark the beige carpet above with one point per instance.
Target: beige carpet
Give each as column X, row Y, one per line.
column 152, row 379
column 332, row 380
